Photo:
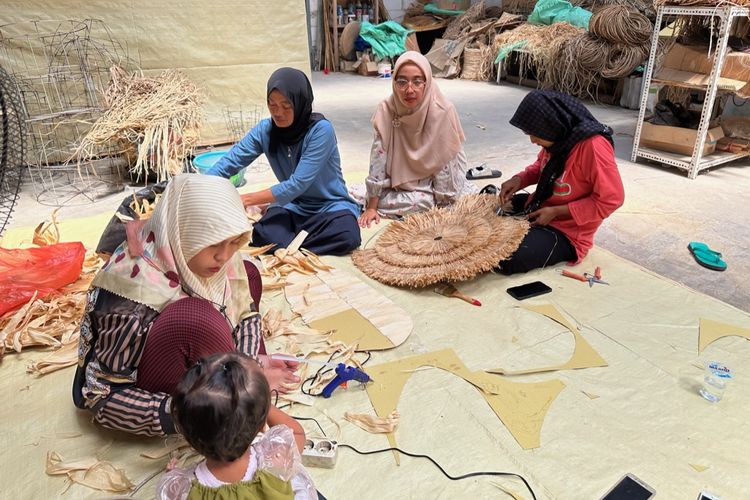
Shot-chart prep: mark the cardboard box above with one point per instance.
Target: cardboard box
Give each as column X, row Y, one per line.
column 349, row 66
column 368, row 68
column 677, row 140
column 689, row 78
column 695, row 60
column 452, row 4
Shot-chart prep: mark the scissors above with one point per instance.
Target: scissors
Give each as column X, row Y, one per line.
column 596, row 278
column 586, row 277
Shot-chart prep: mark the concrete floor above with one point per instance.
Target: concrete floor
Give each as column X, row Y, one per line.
column 663, row 211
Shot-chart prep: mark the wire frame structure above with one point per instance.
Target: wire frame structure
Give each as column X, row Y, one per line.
column 12, row 137
column 61, row 69
column 238, row 122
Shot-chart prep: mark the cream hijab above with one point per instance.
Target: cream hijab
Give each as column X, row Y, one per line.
column 419, row 142
column 151, row 268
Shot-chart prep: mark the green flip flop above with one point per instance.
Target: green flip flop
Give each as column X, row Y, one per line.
column 697, row 245
column 703, row 255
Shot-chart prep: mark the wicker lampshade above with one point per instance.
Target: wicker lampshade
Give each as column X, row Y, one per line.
column 443, row 244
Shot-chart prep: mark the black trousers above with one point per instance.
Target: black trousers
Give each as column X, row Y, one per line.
column 541, row 247
column 330, row 233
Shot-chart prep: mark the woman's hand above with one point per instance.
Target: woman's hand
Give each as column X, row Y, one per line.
column 369, row 216
column 280, row 373
column 508, row 188
column 545, row 215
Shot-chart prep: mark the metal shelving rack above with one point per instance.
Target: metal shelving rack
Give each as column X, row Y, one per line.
column 695, row 163
column 335, row 27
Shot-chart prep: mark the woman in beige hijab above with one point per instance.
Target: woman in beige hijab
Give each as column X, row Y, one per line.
column 175, row 291
column 417, row 159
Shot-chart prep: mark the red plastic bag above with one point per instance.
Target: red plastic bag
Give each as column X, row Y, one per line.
column 43, row 270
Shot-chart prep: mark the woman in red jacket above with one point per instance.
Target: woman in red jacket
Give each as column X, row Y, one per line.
column 577, row 181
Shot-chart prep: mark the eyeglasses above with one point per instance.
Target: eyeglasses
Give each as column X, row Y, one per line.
column 403, row 83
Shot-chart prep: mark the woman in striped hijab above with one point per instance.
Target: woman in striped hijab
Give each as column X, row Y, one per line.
column 176, row 291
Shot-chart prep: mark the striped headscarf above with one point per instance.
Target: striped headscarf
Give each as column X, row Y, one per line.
column 151, row 267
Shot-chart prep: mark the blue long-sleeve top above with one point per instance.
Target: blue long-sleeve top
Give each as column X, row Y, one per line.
column 313, row 185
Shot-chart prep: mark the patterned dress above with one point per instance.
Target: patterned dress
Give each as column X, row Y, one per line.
column 440, row 190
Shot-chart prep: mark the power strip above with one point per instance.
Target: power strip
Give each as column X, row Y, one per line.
column 320, row 452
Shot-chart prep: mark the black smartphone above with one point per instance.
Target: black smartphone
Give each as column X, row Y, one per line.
column 629, row 488
column 528, row 290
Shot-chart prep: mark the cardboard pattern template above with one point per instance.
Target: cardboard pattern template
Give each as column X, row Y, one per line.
column 584, row 356
column 711, row 331
column 520, row 406
column 355, row 312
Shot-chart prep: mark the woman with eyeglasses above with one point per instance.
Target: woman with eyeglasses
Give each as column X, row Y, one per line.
column 417, row 159
column 301, row 147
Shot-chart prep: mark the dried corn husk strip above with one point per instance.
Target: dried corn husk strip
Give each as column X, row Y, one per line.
column 89, row 472
column 274, row 325
column 47, row 233
column 144, row 208
column 43, row 322
column 66, row 355
column 256, row 251
column 374, row 424
column 171, row 445
column 285, row 261
column 49, row 322
column 158, row 118
column 504, row 489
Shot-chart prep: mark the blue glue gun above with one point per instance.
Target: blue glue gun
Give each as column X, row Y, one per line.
column 344, row 374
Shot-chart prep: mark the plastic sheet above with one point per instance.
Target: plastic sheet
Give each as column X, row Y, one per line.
column 44, row 270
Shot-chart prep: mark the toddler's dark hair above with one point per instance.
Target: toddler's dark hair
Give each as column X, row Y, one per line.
column 221, row 404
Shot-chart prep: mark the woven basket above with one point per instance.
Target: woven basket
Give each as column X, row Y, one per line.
column 472, row 63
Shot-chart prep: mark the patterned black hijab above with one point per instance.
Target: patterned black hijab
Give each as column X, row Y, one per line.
column 295, row 86
column 561, row 119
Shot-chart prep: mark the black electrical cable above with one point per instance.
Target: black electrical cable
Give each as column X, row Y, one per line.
column 322, row 371
column 316, row 423
column 452, row 478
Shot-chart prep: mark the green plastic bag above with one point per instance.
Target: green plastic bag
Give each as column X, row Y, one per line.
column 554, row 11
column 387, row 39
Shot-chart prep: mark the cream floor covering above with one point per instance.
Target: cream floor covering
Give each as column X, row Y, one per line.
column 648, row 418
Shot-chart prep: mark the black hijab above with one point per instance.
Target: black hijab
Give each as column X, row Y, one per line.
column 561, row 119
column 295, row 86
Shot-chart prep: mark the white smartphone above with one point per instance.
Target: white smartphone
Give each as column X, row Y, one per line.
column 629, row 488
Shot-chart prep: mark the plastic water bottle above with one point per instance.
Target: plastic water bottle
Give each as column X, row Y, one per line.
column 715, row 381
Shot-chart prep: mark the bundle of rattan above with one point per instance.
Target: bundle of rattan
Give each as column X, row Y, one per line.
column 443, row 244
column 156, row 120
column 686, row 3
column 457, row 25
column 620, row 25
column 541, row 46
column 618, row 42
column 645, row 7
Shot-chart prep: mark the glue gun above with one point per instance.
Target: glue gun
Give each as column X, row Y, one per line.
column 343, row 375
